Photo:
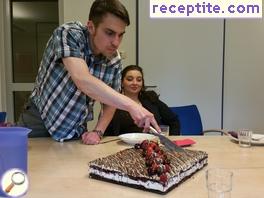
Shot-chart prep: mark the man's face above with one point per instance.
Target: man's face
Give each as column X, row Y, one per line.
column 107, row 36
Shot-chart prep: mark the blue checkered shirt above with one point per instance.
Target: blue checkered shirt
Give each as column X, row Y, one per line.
column 64, row 109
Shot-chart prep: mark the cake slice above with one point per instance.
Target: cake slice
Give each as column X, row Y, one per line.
column 154, row 169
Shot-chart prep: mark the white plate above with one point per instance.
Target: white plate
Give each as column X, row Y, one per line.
column 136, row 138
column 255, row 142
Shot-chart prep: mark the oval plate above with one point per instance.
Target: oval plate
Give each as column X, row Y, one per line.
column 136, row 138
column 254, row 142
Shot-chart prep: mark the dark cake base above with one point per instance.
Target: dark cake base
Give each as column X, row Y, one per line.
column 94, row 176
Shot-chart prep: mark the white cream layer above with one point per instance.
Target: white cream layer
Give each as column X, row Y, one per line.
column 149, row 184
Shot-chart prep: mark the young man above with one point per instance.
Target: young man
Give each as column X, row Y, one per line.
column 80, row 64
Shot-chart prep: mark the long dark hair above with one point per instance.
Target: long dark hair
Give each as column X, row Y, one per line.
column 152, row 96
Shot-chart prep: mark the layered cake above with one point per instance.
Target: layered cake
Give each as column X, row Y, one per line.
column 148, row 166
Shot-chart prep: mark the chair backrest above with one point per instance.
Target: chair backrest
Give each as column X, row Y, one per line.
column 190, row 119
column 2, row 116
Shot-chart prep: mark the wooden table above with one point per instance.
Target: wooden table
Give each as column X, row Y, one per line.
column 61, row 170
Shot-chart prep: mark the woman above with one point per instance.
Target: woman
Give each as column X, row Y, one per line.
column 133, row 87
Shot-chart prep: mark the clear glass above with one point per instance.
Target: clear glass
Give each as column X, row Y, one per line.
column 244, row 138
column 165, row 129
column 219, row 183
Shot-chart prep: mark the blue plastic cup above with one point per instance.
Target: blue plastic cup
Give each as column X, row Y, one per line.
column 13, row 150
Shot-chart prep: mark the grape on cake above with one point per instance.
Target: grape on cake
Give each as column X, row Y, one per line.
column 148, row 166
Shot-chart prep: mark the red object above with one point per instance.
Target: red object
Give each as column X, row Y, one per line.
column 184, row 142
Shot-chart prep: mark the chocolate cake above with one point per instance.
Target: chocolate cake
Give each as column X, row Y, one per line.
column 148, row 167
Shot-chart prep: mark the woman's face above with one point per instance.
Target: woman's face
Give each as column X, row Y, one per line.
column 132, row 82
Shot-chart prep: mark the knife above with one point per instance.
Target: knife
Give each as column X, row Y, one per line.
column 106, row 141
column 166, row 141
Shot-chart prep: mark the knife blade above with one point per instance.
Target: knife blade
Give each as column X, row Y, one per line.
column 106, row 141
column 166, row 141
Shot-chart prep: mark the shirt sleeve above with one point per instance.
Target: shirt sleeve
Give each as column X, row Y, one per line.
column 68, row 42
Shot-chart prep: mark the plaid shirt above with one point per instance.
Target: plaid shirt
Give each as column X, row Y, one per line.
column 64, row 109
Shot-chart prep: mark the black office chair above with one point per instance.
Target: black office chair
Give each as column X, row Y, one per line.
column 190, row 121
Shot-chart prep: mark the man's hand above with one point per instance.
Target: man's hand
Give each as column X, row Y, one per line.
column 90, row 138
column 143, row 118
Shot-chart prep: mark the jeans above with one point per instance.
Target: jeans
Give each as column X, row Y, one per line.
column 30, row 118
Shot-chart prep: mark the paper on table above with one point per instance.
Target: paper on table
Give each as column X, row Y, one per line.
column 184, row 142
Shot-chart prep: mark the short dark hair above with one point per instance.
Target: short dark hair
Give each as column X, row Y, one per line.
column 101, row 7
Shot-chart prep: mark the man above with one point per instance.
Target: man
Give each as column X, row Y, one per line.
column 79, row 65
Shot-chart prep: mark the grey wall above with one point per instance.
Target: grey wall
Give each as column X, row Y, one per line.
column 184, row 59
column 244, row 70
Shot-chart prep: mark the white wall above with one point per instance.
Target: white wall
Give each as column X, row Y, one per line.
column 184, row 59
column 244, row 75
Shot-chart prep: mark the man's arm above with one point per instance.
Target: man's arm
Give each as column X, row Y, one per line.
column 98, row 90
column 92, row 86
column 106, row 116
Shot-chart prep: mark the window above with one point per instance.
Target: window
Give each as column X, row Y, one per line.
column 32, row 23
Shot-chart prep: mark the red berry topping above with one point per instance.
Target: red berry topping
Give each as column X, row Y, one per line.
column 159, row 160
column 157, row 149
column 156, row 160
column 144, row 144
column 164, row 179
column 152, row 144
column 167, row 168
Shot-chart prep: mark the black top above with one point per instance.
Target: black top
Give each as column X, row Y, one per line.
column 123, row 123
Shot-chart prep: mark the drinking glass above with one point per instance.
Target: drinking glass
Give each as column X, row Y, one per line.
column 219, row 183
column 244, row 138
column 165, row 129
